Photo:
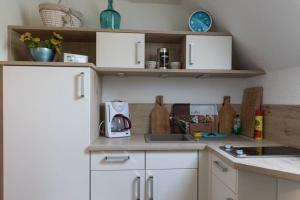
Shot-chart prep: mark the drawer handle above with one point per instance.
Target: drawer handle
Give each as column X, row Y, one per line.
column 116, row 158
column 221, row 166
column 82, row 75
column 229, row 198
column 151, row 196
column 138, row 188
column 191, row 56
column 138, row 52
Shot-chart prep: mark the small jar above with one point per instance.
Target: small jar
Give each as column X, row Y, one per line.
column 163, row 58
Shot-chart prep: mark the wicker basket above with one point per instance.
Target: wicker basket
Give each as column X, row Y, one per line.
column 58, row 15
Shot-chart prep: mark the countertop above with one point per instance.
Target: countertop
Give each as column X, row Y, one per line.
column 285, row 167
column 137, row 142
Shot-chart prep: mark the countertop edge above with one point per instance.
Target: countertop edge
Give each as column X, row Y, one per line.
column 256, row 169
column 95, row 148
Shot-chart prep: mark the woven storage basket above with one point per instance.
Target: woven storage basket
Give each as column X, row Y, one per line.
column 58, row 15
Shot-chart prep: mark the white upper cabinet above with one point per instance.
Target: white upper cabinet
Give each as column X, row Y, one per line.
column 120, row 50
column 208, row 52
column 47, row 127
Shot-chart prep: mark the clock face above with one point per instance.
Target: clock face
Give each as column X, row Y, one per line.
column 200, row 21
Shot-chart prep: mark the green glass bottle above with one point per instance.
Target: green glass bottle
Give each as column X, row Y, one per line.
column 110, row 18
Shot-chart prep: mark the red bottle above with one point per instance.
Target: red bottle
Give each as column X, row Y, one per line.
column 259, row 127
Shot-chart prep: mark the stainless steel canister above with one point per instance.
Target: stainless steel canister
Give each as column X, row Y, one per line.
column 163, row 57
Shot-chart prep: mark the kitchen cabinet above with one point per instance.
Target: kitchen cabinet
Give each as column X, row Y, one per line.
column 122, row 50
column 227, row 183
column 221, row 191
column 288, row 190
column 159, row 175
column 226, row 173
column 171, row 175
column 116, row 185
column 175, row 184
column 117, row 160
column 48, row 123
column 118, row 175
column 208, row 52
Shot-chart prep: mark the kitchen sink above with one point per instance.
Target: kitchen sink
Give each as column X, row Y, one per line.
column 168, row 138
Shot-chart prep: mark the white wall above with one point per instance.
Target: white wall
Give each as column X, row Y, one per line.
column 175, row 90
column 133, row 15
column 281, row 86
column 266, row 35
column 10, row 14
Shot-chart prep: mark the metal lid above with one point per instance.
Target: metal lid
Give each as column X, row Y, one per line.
column 163, row 50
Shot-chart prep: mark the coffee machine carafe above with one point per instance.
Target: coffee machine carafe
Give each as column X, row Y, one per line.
column 117, row 122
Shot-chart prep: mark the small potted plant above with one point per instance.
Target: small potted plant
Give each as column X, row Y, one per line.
column 43, row 50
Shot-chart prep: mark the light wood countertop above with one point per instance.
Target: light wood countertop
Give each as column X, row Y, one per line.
column 285, row 167
column 137, row 142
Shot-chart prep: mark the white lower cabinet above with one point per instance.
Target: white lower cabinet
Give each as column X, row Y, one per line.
column 175, row 184
column 171, row 175
column 228, row 183
column 220, row 190
column 143, row 176
column 288, row 190
column 118, row 185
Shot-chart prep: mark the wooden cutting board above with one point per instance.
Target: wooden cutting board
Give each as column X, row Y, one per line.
column 252, row 100
column 159, row 117
column 226, row 116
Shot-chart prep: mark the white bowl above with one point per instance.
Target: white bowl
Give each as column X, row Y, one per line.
column 151, row 64
column 175, row 65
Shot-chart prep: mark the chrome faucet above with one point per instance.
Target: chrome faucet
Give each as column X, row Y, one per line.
column 183, row 125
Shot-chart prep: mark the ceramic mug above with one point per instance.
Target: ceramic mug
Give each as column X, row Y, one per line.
column 175, row 65
column 151, row 64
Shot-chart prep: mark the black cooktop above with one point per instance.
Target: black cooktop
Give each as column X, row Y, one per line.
column 271, row 151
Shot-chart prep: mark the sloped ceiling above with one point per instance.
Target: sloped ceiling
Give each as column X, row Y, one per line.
column 266, row 32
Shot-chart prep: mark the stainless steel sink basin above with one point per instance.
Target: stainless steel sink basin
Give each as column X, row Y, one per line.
column 168, row 138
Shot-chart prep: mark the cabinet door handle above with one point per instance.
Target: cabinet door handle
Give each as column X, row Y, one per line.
column 138, row 53
column 116, row 158
column 220, row 166
column 82, row 75
column 138, row 188
column 191, row 53
column 151, row 179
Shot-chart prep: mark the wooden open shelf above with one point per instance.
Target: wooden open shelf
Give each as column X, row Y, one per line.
column 122, row 72
column 83, row 41
column 88, row 34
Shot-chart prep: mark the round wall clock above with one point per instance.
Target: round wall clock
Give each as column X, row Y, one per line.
column 200, row 21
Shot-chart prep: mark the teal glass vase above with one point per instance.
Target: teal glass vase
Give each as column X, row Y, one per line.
column 109, row 18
